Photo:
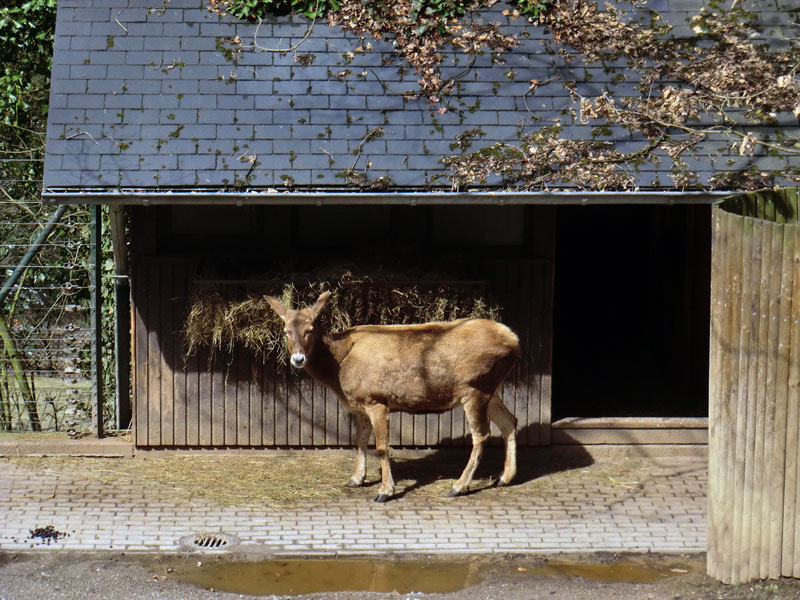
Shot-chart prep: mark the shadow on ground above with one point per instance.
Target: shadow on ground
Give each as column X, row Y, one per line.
column 447, row 464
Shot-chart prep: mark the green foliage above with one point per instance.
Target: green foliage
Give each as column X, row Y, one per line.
column 258, row 9
column 26, row 40
column 532, row 8
column 447, row 9
column 108, row 308
column 52, row 295
column 26, row 45
column 420, row 9
column 418, row 29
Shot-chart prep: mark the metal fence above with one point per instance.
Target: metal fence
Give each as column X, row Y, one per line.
column 48, row 366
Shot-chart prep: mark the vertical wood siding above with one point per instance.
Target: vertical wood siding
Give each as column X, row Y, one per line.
column 754, row 437
column 232, row 399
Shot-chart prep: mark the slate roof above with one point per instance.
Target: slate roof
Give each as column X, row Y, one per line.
column 150, row 97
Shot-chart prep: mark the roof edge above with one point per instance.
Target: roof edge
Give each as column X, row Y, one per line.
column 161, row 196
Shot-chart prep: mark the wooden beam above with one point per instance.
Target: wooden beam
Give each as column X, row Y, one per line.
column 338, row 197
column 630, row 431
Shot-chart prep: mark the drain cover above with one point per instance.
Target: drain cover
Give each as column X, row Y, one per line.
column 208, row 541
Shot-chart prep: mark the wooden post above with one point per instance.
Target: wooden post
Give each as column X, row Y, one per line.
column 122, row 318
column 754, row 389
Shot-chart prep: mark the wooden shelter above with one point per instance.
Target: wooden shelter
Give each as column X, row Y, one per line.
column 236, row 398
column 231, row 162
column 233, row 399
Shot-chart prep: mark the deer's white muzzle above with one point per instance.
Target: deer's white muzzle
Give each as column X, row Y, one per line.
column 298, row 360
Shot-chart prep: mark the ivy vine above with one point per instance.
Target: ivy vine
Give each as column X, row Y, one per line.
column 419, row 29
column 420, row 10
column 727, row 83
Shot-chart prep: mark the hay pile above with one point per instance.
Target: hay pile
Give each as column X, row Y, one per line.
column 223, row 316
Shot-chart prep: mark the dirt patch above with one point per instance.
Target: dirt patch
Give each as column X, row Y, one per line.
column 43, row 576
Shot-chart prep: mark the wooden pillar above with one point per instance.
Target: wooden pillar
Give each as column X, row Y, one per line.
column 754, row 389
column 122, row 317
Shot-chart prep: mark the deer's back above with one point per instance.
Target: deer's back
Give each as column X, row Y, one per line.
column 427, row 367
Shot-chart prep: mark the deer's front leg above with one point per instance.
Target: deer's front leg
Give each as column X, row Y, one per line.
column 379, row 417
column 362, row 439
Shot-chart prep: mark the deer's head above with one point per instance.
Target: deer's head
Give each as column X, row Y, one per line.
column 299, row 327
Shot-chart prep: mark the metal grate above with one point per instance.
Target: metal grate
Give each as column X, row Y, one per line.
column 208, row 541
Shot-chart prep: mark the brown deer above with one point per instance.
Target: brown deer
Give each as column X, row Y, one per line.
column 428, row 368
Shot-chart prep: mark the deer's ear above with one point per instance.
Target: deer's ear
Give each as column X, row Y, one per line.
column 320, row 304
column 279, row 308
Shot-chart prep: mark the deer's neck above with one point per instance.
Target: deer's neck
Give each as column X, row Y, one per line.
column 325, row 361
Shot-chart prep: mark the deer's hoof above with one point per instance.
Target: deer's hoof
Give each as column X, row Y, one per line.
column 500, row 483
column 353, row 484
column 381, row 498
column 453, row 493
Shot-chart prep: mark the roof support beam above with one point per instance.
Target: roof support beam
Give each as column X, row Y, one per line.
column 339, row 198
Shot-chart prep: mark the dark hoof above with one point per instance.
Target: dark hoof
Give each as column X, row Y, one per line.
column 381, row 498
column 453, row 493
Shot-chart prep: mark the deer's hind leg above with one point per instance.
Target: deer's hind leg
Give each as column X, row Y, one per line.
column 476, row 411
column 362, row 439
column 507, row 423
column 379, row 417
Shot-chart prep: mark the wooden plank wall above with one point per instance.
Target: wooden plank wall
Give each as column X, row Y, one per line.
column 525, row 290
column 233, row 400
column 754, row 390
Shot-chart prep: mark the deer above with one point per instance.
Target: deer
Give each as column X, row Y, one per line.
column 423, row 368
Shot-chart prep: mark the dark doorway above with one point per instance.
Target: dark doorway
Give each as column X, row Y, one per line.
column 631, row 311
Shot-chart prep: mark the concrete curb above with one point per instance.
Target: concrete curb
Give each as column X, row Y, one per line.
column 106, row 447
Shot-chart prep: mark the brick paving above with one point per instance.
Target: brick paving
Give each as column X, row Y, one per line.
column 659, row 505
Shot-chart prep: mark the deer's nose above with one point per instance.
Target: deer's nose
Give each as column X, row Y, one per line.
column 298, row 360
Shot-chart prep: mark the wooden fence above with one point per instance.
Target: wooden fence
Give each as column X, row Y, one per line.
column 754, row 438
column 231, row 399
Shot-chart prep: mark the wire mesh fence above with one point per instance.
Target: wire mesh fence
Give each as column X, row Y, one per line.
column 46, row 334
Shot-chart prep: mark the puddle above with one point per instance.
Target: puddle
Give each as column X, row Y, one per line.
column 310, row 576
column 618, row 572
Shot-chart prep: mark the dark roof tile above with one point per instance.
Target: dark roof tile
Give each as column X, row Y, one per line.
column 157, row 97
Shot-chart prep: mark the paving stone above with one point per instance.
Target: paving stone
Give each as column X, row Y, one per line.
column 658, row 516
